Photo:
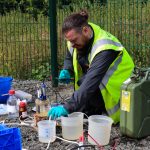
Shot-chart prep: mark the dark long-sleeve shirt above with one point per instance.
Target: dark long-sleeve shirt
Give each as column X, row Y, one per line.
column 88, row 96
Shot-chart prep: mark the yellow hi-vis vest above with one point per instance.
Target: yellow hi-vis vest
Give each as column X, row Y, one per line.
column 117, row 73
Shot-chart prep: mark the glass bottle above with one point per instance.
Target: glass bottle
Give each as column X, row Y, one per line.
column 22, row 110
column 42, row 103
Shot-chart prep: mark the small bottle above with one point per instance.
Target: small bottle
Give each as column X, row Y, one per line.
column 22, row 110
column 12, row 107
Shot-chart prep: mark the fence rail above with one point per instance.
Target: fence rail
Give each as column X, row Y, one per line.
column 25, row 32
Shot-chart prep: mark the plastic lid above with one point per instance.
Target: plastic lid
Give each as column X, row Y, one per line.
column 22, row 104
column 11, row 92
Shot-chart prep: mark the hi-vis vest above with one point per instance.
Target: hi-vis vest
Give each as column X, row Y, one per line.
column 117, row 73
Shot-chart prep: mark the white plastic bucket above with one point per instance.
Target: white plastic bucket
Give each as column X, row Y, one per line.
column 72, row 126
column 47, row 131
column 99, row 129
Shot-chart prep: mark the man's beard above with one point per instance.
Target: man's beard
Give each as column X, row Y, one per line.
column 81, row 51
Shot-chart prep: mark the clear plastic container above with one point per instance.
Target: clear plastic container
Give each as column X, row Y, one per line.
column 99, row 129
column 47, row 131
column 42, row 107
column 72, row 126
column 12, row 107
column 23, row 95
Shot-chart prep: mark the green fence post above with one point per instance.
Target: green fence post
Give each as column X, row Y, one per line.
column 53, row 42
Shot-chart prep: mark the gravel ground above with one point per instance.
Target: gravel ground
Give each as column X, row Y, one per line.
column 30, row 136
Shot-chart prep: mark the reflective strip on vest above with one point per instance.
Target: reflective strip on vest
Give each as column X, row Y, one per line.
column 104, row 82
column 104, row 42
column 110, row 72
column 114, row 109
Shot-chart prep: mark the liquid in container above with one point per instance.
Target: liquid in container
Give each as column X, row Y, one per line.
column 99, row 129
column 12, row 107
column 42, row 107
column 72, row 126
column 47, row 131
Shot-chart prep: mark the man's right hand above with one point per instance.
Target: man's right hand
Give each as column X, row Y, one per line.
column 64, row 76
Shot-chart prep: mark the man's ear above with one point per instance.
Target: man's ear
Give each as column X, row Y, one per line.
column 85, row 30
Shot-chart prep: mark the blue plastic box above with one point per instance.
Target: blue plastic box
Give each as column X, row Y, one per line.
column 10, row 138
column 5, row 85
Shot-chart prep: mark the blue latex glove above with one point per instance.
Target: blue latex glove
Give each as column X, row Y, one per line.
column 57, row 111
column 64, row 76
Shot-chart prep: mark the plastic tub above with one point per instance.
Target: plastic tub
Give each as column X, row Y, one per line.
column 99, row 129
column 72, row 126
column 47, row 131
column 10, row 138
column 5, row 85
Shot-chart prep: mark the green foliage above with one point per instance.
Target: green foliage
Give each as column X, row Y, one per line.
column 33, row 7
column 42, row 72
column 24, row 5
column 7, row 6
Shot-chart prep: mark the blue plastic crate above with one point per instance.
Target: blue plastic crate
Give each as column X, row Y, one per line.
column 2, row 127
column 5, row 86
column 10, row 138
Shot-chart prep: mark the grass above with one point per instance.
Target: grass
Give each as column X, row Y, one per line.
column 25, row 43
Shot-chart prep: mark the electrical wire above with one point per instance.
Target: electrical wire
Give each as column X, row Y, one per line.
column 67, row 140
column 62, row 140
column 26, row 122
column 48, row 145
column 78, row 147
column 116, row 142
column 100, row 146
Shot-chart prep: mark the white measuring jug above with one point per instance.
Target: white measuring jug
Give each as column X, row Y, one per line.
column 47, row 131
column 99, row 129
column 72, row 126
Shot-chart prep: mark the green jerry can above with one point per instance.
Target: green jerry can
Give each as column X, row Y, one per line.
column 135, row 105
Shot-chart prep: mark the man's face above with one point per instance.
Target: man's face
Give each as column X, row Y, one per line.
column 77, row 39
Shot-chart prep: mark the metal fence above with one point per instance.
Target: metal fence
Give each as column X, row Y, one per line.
column 24, row 39
column 128, row 20
column 25, row 43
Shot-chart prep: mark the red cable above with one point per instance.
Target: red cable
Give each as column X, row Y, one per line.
column 100, row 146
column 114, row 147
